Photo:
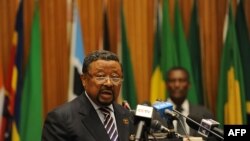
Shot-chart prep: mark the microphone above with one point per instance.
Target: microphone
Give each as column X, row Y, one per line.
column 207, row 126
column 143, row 116
column 126, row 105
column 162, row 107
column 156, row 125
column 172, row 114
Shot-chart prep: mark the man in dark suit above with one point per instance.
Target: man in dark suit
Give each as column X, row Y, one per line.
column 177, row 85
column 83, row 118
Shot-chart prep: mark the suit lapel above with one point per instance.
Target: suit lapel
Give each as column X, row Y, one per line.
column 122, row 123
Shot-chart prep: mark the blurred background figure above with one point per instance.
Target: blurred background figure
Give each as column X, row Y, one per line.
column 177, row 86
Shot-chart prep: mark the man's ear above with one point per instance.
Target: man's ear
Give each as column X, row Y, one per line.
column 83, row 79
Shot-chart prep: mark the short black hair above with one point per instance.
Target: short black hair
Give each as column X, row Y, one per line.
column 178, row 68
column 98, row 55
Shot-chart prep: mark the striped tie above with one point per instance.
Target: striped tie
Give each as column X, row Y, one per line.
column 109, row 124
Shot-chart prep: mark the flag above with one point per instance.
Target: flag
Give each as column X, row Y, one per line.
column 106, row 42
column 168, row 58
column 164, row 53
column 76, row 57
column 9, row 99
column 128, row 85
column 231, row 106
column 183, row 58
column 31, row 101
column 14, row 81
column 157, row 83
column 195, row 51
column 244, row 47
column 19, row 74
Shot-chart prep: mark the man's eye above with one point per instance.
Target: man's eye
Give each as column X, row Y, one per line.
column 116, row 79
column 100, row 75
column 115, row 76
column 171, row 81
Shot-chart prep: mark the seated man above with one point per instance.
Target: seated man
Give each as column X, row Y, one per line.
column 177, row 85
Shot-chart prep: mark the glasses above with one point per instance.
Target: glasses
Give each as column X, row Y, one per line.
column 102, row 79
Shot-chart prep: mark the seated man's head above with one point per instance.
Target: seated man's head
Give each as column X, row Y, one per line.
column 177, row 84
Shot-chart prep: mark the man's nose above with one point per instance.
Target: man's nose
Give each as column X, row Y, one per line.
column 108, row 81
column 177, row 83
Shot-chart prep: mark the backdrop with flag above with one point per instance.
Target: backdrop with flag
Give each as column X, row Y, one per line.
column 76, row 56
column 105, row 25
column 244, row 47
column 183, row 54
column 163, row 43
column 170, row 50
column 231, row 106
column 31, row 100
column 14, row 82
column 128, row 85
column 195, row 52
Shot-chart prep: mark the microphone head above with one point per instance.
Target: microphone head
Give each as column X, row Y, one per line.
column 143, row 113
column 193, row 121
column 126, row 105
column 155, row 124
column 204, row 126
column 162, row 106
column 171, row 114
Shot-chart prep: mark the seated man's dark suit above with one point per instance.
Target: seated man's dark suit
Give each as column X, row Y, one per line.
column 79, row 121
column 199, row 111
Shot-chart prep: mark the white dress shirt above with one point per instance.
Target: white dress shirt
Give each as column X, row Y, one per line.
column 185, row 112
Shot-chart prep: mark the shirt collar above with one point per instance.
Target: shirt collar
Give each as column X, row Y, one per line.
column 185, row 105
column 96, row 107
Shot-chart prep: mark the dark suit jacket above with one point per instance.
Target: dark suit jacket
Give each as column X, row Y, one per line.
column 199, row 111
column 78, row 121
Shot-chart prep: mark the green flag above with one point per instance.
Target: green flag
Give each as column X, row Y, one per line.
column 231, row 106
column 184, row 59
column 31, row 101
column 157, row 83
column 168, row 58
column 128, row 85
column 244, row 46
column 168, row 50
column 195, row 53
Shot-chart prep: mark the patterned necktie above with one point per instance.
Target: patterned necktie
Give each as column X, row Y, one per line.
column 180, row 129
column 109, row 124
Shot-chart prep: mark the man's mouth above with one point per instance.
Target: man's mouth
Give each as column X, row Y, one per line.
column 108, row 92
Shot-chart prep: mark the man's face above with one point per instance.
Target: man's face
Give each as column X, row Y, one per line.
column 102, row 81
column 177, row 85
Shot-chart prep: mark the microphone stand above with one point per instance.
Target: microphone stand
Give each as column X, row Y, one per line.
column 142, row 131
column 183, row 127
column 217, row 135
